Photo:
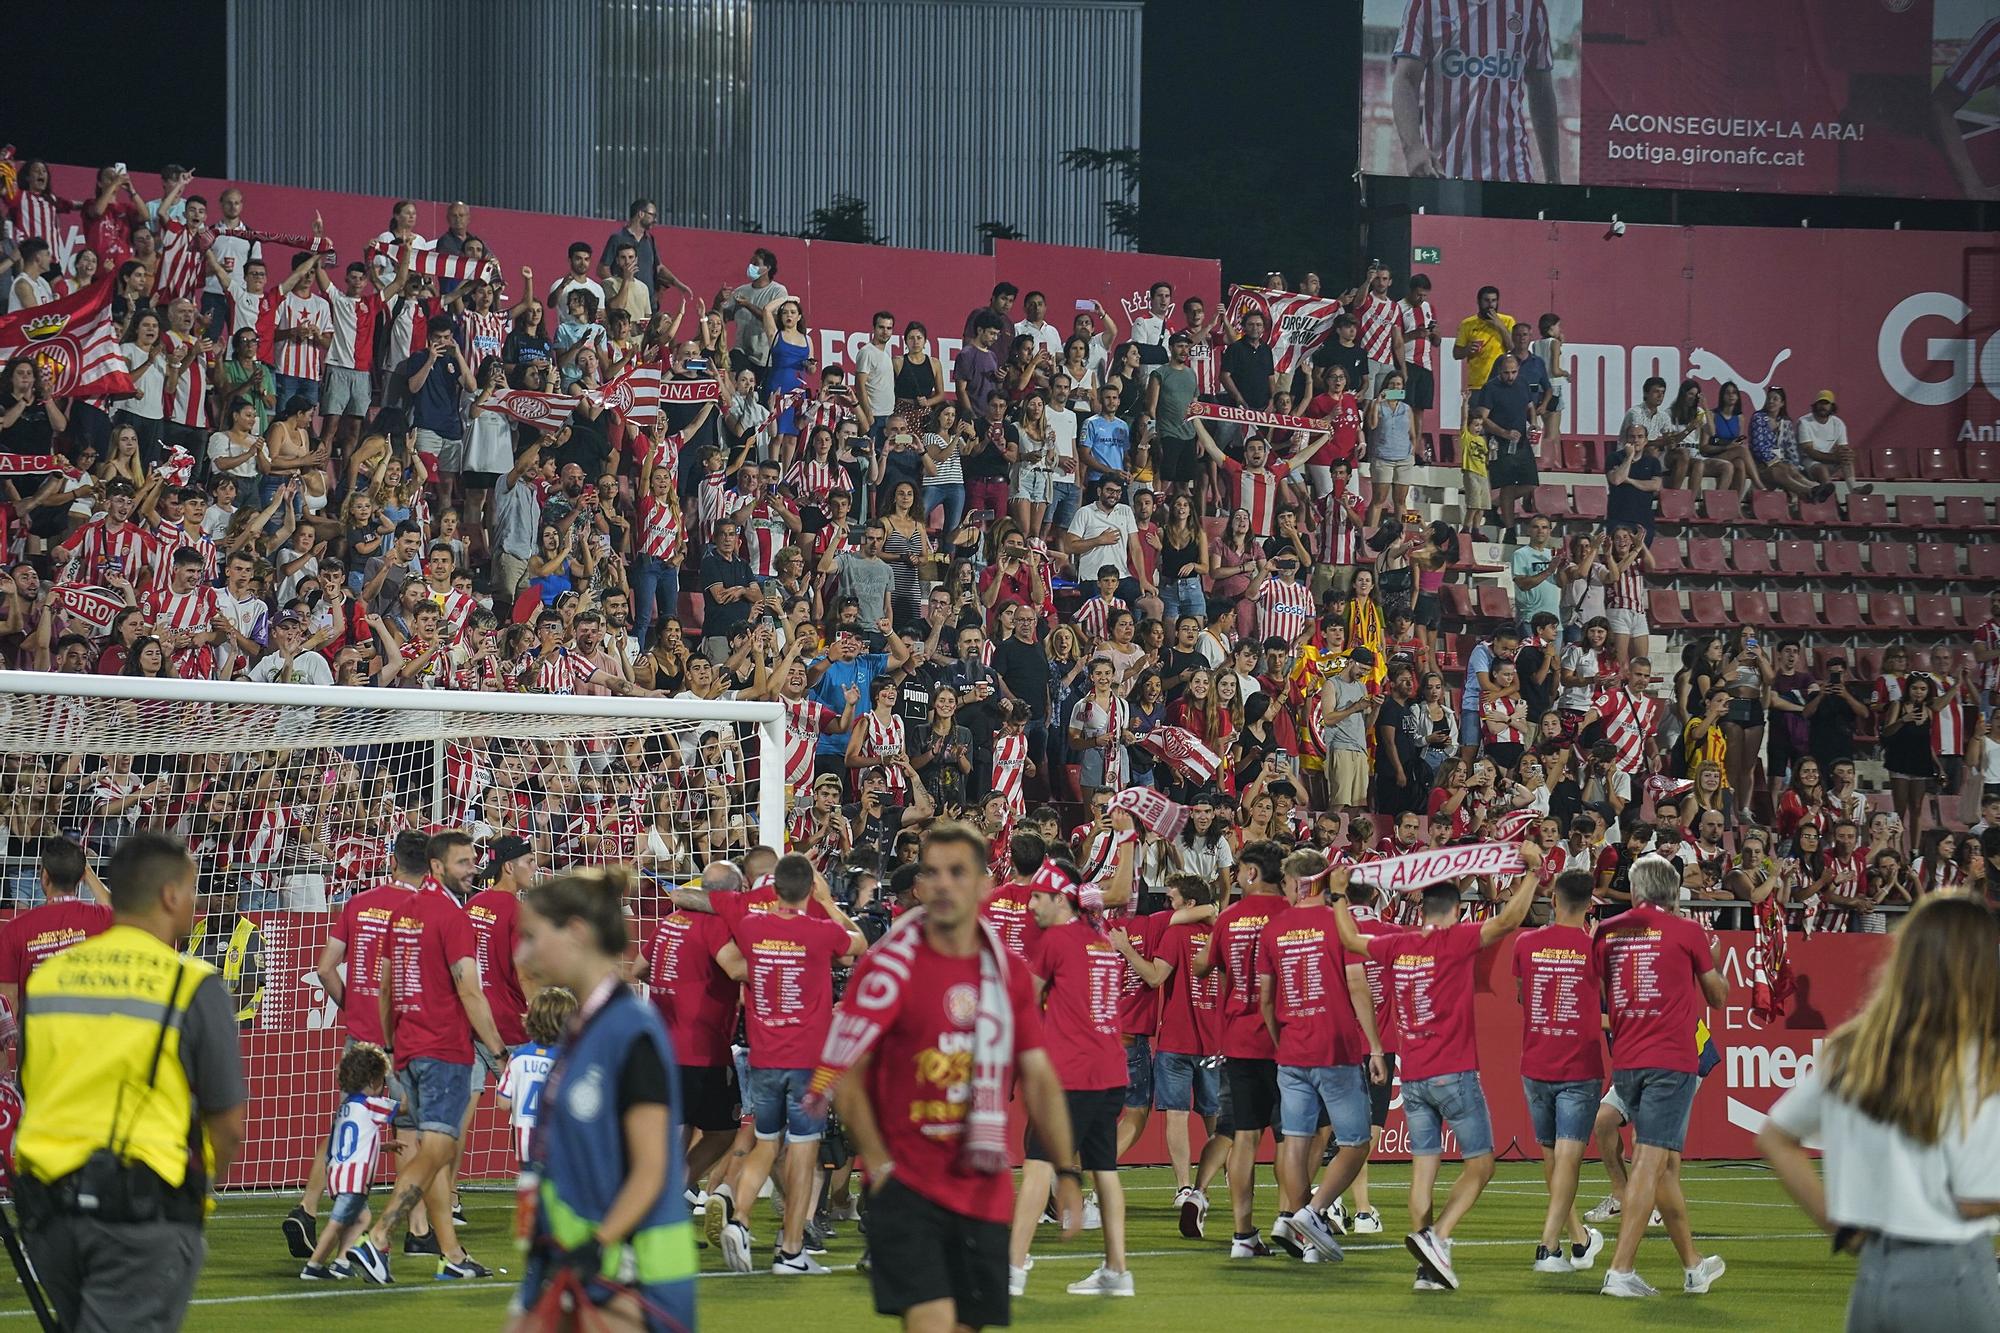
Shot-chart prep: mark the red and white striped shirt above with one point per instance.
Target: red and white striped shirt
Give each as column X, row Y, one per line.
column 1416, row 321
column 1948, row 724
column 1627, row 592
column 1258, row 492
column 1284, row 610
column 1501, row 720
column 356, row 1143
column 711, row 503
column 96, row 542
column 481, row 333
column 190, row 402
column 36, row 215
column 1093, row 618
column 270, row 831
column 359, row 860
column 805, row 721
column 1375, row 318
column 1337, row 541
column 765, row 533
column 1850, row 880
column 353, row 324
column 303, row 359
column 884, row 735
column 1628, row 719
column 814, row 481
column 1010, row 764
column 1476, row 56
column 181, row 268
column 1205, row 359
column 1989, row 637
column 659, row 529
column 191, row 613
column 560, row 674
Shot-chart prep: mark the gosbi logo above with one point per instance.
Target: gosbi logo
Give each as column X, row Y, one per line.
column 1454, row 63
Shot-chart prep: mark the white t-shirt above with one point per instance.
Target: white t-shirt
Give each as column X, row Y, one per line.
column 1060, row 423
column 232, row 251
column 1659, row 423
column 880, row 368
column 1149, row 329
column 570, row 283
column 1816, row 436
column 1046, row 337
column 1880, row 1179
column 151, row 383
column 244, row 617
column 221, row 446
column 1091, row 521
column 308, row 668
column 40, row 293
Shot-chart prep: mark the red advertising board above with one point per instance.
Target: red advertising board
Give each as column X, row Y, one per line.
column 841, row 286
column 1890, row 97
column 1900, row 325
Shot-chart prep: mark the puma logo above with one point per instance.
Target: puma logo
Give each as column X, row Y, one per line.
column 1706, row 365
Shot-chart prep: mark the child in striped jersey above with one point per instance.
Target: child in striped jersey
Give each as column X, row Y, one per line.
column 351, row 1151
column 520, row 1089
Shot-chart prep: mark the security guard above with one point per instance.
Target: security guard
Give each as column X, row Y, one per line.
column 134, row 1097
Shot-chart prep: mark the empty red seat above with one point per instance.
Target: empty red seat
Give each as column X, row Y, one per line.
column 1773, row 507
column 1590, row 501
column 1891, row 560
column 1841, row 610
column 1705, row 555
column 1663, row 608
column 1935, row 560
column 1867, row 663
column 1871, row 510
column 1933, row 611
column 1494, row 603
column 1888, row 463
column 1819, row 513
column 1965, row 511
column 1214, row 527
column 1752, row 608
column 1983, row 562
column 1677, row 506
column 1552, row 501
column 1917, row 511
column 1795, row 610
column 1667, row 556
column 1456, row 599
column 1843, row 559
column 1887, row 611
column 1982, row 462
column 1938, row 464
column 1722, row 506
column 1796, row 558
column 1706, row 610
column 1749, row 557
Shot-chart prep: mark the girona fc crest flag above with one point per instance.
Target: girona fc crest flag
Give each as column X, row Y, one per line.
column 74, row 343
column 1183, row 751
column 544, row 411
column 1294, row 324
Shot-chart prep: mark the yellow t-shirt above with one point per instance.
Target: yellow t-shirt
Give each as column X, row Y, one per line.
column 1472, row 453
column 1487, row 346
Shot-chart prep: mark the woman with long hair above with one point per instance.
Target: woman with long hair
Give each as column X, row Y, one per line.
column 945, row 447
column 1236, row 553
column 1034, row 478
column 1909, row 752
column 1908, row 1091
column 1747, row 674
column 1728, row 440
column 785, row 387
column 1364, row 623
column 149, row 658
column 1184, row 560
column 919, row 389
column 1935, row 868
column 1804, row 802
column 906, row 545
column 146, row 365
column 1627, row 562
column 1774, row 446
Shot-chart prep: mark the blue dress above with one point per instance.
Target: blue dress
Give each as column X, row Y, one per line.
column 786, row 358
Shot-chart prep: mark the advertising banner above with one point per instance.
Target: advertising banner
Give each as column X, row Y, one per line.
column 1884, row 97
column 1900, row 325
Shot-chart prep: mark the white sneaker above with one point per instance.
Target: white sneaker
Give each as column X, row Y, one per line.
column 1656, row 1220
column 1193, row 1205
column 1313, row 1256
column 1628, row 1285
column 1423, row 1283
column 697, row 1200
column 1282, row 1236
column 1017, row 1280
column 1434, row 1253
column 1606, row 1210
column 1313, row 1227
column 736, row 1247
column 1583, row 1256
column 797, row 1265
column 1093, row 1220
column 1104, row 1282
column 1336, row 1217
column 1546, row 1262
column 1368, row 1223
column 1252, row 1248
column 1703, row 1275
column 847, row 1212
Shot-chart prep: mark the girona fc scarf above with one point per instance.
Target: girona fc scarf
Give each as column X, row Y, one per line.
column 874, row 998
column 1295, row 324
column 1243, row 416
column 435, row 263
column 1183, row 752
column 1419, row 870
column 544, row 411
column 28, row 465
column 1159, row 815
column 90, row 607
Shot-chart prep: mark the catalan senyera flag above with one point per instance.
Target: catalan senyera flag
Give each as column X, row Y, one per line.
column 74, row 342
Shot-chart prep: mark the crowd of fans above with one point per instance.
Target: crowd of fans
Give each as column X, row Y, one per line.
column 1009, row 587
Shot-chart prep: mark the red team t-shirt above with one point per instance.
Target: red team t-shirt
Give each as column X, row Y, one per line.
column 1080, row 1008
column 697, row 1000
column 1561, row 997
column 1378, row 984
column 1431, row 981
column 1300, row 952
column 40, row 933
column 919, row 1079
column 428, row 937
column 1007, row 909
column 494, row 913
column 733, row 906
column 1190, row 1006
column 790, row 959
column 1651, row 962
column 1138, row 1004
column 1238, row 936
column 363, row 926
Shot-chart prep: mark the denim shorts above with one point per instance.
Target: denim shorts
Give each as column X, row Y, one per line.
column 1186, row 1083
column 1139, row 1072
column 1657, row 1102
column 1342, row 1090
column 1562, row 1110
column 1458, row 1100
column 777, row 1099
column 348, row 1208
column 440, row 1090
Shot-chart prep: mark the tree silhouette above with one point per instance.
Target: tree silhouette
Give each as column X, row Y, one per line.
column 1120, row 214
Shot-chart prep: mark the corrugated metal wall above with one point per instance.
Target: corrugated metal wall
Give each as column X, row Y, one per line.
column 940, row 113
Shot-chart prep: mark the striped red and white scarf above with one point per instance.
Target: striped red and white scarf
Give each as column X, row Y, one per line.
column 434, row 263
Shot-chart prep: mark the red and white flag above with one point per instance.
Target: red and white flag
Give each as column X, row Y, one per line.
column 1294, row 324
column 179, row 466
column 1417, row 870
column 88, row 607
column 74, row 342
column 636, row 394
column 1159, row 815
column 1183, row 751
column 1244, row 416
column 435, row 263
column 544, row 411
column 1514, row 825
column 28, row 465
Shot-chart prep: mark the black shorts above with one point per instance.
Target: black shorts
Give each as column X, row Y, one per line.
column 1419, row 389
column 920, row 1252
column 1093, row 1127
column 711, row 1097
column 1180, row 460
column 1953, row 766
column 1379, row 1093
column 479, row 481
column 1513, row 467
column 1253, row 1094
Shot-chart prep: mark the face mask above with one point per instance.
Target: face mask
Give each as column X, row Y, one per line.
column 751, row 272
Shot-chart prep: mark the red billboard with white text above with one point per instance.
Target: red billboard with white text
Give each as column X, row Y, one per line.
column 1882, row 97
column 1900, row 325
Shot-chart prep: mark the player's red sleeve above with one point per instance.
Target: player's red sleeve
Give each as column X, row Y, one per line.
column 1027, row 1017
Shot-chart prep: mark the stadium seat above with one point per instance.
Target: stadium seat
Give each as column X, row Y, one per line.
column 1705, row 609
column 1938, row 464
column 1843, row 559
column 1676, row 506
column 1891, row 560
column 1819, row 514
column 1972, row 614
column 1725, row 507
column 1933, row 611
column 1494, row 603
column 1867, row 663
column 1983, row 562
column 1871, row 510
column 1590, row 501
column 1796, row 559
column 1552, row 501
column 1750, row 557
column 1936, row 560
column 1795, row 610
column 1889, row 463
column 1967, row 513
column 692, row 611
column 1667, row 556
column 1886, row 610
column 1456, row 599
column 1841, row 610
column 1579, row 455
column 1705, row 555
column 1772, row 507
column 1917, row 511
column 1982, row 462
column 1214, row 527
column 1751, row 607
column 1663, row 609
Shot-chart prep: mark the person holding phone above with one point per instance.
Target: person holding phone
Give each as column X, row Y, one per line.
column 1909, row 752
column 1394, row 448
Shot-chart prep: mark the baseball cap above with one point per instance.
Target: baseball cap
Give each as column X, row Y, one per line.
column 288, row 619
column 1823, row 396
column 1364, row 657
column 507, row 847
column 826, row 780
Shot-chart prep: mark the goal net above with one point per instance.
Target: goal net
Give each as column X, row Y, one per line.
column 289, row 797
